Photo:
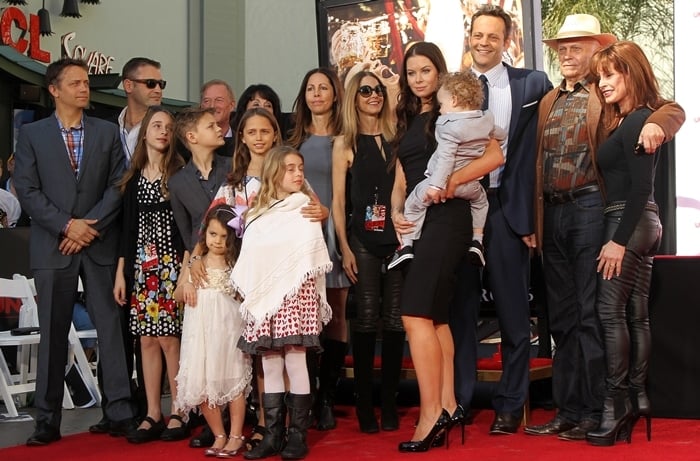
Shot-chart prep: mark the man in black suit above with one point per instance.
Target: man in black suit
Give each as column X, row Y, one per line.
column 218, row 95
column 66, row 174
column 514, row 96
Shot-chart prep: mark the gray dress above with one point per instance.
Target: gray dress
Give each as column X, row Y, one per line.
column 317, row 170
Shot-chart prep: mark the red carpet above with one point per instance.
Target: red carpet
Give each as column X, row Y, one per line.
column 672, row 439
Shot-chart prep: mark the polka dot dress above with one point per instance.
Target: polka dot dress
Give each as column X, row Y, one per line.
column 154, row 312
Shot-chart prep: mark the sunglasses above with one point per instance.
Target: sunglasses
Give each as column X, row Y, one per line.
column 150, row 82
column 366, row 91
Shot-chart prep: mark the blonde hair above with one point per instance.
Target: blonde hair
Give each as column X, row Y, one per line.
column 351, row 119
column 273, row 171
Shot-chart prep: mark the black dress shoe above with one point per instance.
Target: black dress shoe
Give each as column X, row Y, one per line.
column 505, row 424
column 102, row 426
column 580, row 430
column 204, row 439
column 122, row 428
column 556, row 426
column 149, row 434
column 173, row 434
column 43, row 435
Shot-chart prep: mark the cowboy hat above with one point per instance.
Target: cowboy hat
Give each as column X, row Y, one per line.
column 581, row 26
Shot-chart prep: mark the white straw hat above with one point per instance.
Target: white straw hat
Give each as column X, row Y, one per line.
column 581, row 26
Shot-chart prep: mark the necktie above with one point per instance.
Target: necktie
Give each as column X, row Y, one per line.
column 485, row 87
column 484, row 106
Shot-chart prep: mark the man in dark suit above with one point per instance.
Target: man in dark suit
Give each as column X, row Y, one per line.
column 514, row 95
column 66, row 172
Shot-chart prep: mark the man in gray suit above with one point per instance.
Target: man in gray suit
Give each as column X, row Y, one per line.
column 67, row 168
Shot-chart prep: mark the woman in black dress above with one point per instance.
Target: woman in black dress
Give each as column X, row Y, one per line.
column 430, row 276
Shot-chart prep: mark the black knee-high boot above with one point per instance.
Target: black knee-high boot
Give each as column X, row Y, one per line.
column 273, row 437
column 640, row 348
column 363, row 366
column 299, row 408
column 617, row 408
column 332, row 360
column 392, row 357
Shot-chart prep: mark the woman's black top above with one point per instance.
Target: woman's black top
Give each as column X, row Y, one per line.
column 371, row 182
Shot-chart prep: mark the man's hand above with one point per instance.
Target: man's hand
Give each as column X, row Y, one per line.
column 651, row 137
column 70, row 247
column 81, row 231
column 529, row 240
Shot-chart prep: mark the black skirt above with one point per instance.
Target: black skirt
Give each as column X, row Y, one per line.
column 431, row 275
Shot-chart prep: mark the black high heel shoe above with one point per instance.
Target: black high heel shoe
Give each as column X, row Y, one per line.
column 641, row 408
column 459, row 417
column 417, row 446
column 616, row 424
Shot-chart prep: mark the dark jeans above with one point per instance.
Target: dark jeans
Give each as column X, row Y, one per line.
column 623, row 304
column 377, row 294
column 573, row 234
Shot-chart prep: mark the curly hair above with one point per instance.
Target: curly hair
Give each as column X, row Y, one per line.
column 465, row 88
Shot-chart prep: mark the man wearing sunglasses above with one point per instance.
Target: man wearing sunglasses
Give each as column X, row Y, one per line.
column 143, row 85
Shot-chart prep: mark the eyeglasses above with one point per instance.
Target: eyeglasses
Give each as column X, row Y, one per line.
column 366, row 91
column 150, row 82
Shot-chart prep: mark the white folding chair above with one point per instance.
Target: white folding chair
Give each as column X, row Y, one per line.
column 21, row 382
column 76, row 355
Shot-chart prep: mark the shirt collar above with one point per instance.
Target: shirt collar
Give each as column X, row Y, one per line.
column 62, row 128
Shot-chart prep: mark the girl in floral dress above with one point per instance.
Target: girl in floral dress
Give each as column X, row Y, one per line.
column 281, row 277
column 148, row 268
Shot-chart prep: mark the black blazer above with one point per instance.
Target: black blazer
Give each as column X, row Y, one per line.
column 51, row 194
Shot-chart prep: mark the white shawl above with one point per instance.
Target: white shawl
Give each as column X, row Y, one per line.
column 280, row 250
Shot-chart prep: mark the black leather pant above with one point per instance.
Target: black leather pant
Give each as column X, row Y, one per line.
column 377, row 294
column 623, row 305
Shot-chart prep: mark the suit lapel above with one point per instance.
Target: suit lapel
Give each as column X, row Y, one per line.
column 89, row 143
column 517, row 92
column 57, row 145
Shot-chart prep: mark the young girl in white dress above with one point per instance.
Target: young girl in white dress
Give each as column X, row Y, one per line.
column 281, row 276
column 213, row 371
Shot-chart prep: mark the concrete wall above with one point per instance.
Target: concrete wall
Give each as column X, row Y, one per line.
column 240, row 41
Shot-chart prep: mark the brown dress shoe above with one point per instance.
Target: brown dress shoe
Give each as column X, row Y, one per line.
column 556, row 426
column 579, row 432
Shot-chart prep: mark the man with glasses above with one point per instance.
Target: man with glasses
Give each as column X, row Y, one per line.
column 143, row 85
column 218, row 95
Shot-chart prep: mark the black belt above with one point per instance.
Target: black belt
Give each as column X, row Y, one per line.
column 571, row 195
column 491, row 190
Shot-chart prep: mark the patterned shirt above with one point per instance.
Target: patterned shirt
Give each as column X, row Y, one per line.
column 567, row 159
column 73, row 137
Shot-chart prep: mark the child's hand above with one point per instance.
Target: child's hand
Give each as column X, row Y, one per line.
column 434, row 195
column 119, row 290
column 189, row 293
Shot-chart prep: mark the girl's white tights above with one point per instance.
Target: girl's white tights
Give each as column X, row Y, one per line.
column 293, row 359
